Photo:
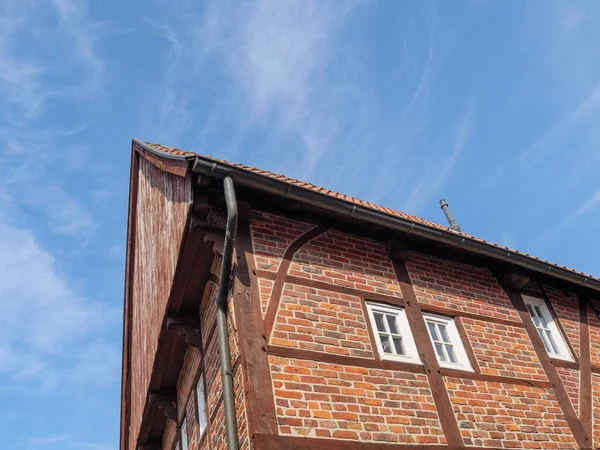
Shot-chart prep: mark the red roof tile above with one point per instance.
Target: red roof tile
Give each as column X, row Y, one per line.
column 356, row 201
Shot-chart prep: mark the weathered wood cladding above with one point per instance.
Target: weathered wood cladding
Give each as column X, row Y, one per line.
column 162, row 206
column 508, row 402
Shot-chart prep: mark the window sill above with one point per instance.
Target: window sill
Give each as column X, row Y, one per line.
column 462, row 368
column 404, row 359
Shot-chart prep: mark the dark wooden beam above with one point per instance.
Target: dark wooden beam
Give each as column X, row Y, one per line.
column 516, row 279
column 577, row 429
column 258, row 387
column 585, row 364
column 284, row 265
column 166, row 401
column 426, row 351
column 187, row 326
column 397, row 251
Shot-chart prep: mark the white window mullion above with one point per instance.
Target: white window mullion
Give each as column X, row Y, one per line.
column 393, row 337
column 446, row 341
column 551, row 337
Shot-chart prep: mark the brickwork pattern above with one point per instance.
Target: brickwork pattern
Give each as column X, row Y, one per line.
column 323, row 321
column 566, row 307
column 509, row 416
column 271, row 236
column 345, row 260
column 449, row 284
column 570, row 379
column 265, row 288
column 346, row 402
column 596, row 408
column 594, row 327
column 503, row 350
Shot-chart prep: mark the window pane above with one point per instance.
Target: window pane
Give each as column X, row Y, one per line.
column 432, row 331
column 398, row 345
column 440, row 352
column 443, row 332
column 392, row 324
column 542, row 318
column 552, row 342
column 543, row 336
column 385, row 343
column 379, row 322
column 451, row 355
column 184, row 436
column 201, row 405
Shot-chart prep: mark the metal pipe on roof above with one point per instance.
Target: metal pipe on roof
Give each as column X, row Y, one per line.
column 453, row 225
column 343, row 207
column 222, row 334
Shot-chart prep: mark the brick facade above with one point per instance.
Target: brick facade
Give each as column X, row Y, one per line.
column 503, row 350
column 461, row 287
column 335, row 386
column 347, row 402
column 508, row 416
column 323, row 321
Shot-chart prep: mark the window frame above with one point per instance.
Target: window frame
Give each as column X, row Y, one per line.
column 412, row 355
column 183, row 435
column 458, row 346
column 202, row 415
column 556, row 333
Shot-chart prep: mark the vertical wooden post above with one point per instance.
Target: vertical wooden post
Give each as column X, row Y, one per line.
column 426, row 351
column 258, row 387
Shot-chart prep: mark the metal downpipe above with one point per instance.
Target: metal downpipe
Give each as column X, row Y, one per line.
column 222, row 334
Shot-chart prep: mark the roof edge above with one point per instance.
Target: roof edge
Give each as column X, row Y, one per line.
column 281, row 188
column 162, row 153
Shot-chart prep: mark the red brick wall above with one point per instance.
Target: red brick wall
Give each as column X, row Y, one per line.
column 323, row 321
column 594, row 326
column 347, row 402
column 596, row 408
column 458, row 286
column 503, row 350
column 162, row 207
column 570, row 378
column 344, row 260
column 508, row 416
column 271, row 236
column 566, row 307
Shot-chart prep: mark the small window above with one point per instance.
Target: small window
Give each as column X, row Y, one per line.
column 201, row 400
column 184, row 436
column 446, row 341
column 544, row 323
column 392, row 333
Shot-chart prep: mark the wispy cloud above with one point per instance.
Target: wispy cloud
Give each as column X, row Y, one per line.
column 49, row 440
column 586, row 207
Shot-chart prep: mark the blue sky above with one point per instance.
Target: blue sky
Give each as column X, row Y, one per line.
column 493, row 105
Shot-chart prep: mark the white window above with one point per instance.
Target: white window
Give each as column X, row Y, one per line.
column 551, row 337
column 448, row 346
column 201, row 401
column 393, row 337
column 184, row 436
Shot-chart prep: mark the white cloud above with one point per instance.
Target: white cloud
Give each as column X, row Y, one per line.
column 586, row 207
column 44, row 320
column 49, row 440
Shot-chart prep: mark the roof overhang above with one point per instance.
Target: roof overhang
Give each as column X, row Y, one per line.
column 269, row 185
